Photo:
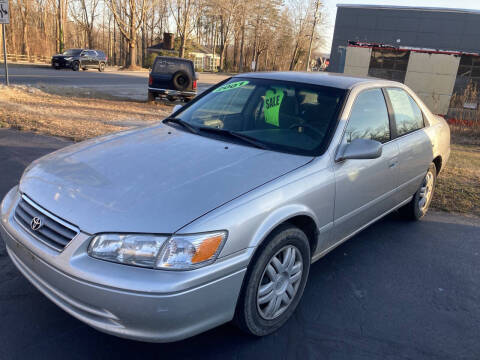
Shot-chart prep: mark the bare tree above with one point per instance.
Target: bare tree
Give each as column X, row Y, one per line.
column 84, row 13
column 301, row 15
column 274, row 34
column 129, row 16
column 225, row 11
column 24, row 10
column 182, row 11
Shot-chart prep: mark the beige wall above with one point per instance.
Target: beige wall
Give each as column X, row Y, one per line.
column 357, row 61
column 432, row 77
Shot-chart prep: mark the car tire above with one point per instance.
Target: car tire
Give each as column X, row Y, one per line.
column 255, row 313
column 150, row 97
column 101, row 67
column 418, row 206
column 181, row 80
column 75, row 66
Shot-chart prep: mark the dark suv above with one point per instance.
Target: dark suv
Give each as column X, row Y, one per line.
column 80, row 59
column 172, row 78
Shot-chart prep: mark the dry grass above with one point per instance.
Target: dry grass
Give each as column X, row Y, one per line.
column 72, row 113
column 458, row 186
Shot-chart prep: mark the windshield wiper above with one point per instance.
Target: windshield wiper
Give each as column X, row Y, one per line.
column 183, row 123
column 245, row 138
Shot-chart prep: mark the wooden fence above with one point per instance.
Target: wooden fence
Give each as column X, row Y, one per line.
column 33, row 59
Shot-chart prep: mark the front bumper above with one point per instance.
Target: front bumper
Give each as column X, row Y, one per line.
column 61, row 63
column 130, row 302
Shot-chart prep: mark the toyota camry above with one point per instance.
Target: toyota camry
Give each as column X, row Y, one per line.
column 217, row 212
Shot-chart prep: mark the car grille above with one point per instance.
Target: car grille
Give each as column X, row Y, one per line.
column 53, row 232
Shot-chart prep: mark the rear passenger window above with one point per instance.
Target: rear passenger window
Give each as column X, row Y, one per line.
column 408, row 116
column 369, row 118
column 171, row 66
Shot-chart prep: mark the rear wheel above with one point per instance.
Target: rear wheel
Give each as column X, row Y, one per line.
column 101, row 67
column 150, row 97
column 275, row 282
column 418, row 206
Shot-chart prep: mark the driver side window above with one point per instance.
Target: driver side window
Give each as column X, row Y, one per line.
column 369, row 118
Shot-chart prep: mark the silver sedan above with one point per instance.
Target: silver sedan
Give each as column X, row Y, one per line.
column 216, row 213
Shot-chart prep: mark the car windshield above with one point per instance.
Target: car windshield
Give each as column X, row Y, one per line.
column 283, row 116
column 72, row 52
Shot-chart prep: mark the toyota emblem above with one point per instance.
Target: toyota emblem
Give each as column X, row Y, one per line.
column 36, row 223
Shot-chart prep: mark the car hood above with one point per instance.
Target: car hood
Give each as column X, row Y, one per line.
column 152, row 180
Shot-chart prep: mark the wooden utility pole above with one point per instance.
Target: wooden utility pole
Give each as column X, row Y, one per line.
column 61, row 43
column 315, row 18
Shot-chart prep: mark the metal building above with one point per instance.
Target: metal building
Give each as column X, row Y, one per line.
column 435, row 51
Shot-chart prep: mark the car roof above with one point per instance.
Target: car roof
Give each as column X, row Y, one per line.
column 173, row 58
column 336, row 80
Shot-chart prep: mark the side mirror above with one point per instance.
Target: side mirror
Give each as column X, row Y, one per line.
column 83, row 54
column 359, row 149
column 176, row 108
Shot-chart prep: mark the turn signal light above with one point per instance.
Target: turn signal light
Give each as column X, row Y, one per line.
column 150, row 80
column 207, row 249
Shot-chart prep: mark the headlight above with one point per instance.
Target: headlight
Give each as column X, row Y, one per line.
column 69, row 58
column 140, row 250
column 179, row 252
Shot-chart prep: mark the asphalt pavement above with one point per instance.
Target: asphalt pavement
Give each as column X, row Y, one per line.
column 397, row 290
column 124, row 84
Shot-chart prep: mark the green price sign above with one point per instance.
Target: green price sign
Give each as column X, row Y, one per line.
column 231, row 86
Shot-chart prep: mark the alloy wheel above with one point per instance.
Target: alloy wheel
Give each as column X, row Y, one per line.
column 426, row 191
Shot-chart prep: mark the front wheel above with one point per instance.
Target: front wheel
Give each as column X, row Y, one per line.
column 75, row 66
column 275, row 282
column 418, row 206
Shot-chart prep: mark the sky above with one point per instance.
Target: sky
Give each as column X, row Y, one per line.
column 331, row 9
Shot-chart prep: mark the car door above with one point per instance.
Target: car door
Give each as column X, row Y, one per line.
column 364, row 188
column 84, row 59
column 92, row 58
column 415, row 147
